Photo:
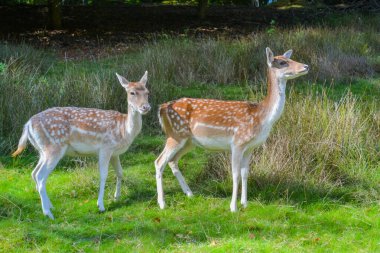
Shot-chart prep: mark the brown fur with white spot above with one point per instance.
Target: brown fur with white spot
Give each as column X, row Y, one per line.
column 235, row 126
column 73, row 131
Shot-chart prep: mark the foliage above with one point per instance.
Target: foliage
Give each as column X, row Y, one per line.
column 35, row 80
column 3, row 67
column 277, row 218
column 272, row 27
column 314, row 186
column 318, row 142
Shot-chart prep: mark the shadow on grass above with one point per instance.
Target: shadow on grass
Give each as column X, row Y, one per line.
column 274, row 188
column 98, row 234
column 267, row 188
column 140, row 187
column 136, row 219
column 263, row 188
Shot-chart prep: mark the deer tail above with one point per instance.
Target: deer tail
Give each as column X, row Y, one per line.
column 164, row 120
column 22, row 142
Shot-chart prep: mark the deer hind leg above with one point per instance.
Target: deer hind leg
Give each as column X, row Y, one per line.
column 51, row 160
column 244, row 176
column 173, row 164
column 31, row 138
column 115, row 162
column 36, row 169
column 236, row 159
column 171, row 149
column 104, row 160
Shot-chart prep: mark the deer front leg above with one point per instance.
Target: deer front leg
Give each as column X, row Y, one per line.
column 104, row 159
column 244, row 177
column 115, row 162
column 236, row 158
column 160, row 164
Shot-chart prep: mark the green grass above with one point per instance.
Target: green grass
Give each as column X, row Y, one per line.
column 200, row 224
column 314, row 185
column 286, row 212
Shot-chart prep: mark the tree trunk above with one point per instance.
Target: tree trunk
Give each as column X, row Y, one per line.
column 55, row 16
column 202, row 8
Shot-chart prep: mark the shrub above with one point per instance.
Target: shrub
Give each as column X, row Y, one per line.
column 317, row 144
column 34, row 80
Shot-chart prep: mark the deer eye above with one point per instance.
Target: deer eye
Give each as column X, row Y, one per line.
column 132, row 93
column 282, row 63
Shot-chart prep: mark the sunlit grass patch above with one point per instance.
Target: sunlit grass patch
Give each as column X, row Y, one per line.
column 314, row 185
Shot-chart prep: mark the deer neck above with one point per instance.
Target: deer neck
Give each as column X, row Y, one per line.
column 274, row 102
column 133, row 122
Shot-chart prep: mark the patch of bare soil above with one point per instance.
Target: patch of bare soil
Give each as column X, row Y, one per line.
column 90, row 31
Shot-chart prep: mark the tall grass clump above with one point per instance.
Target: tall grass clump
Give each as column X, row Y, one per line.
column 32, row 80
column 339, row 54
column 319, row 148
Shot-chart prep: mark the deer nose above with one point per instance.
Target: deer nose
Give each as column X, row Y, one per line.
column 306, row 67
column 146, row 108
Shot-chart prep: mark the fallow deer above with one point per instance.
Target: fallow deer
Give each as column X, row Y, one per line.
column 73, row 131
column 234, row 126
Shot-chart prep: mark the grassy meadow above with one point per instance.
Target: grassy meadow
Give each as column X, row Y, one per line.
column 313, row 187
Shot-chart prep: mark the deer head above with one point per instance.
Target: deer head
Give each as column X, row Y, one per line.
column 137, row 93
column 284, row 67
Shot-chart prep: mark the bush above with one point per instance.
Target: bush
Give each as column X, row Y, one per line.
column 317, row 144
column 33, row 80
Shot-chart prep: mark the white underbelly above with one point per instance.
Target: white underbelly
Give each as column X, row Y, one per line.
column 122, row 149
column 83, row 149
column 213, row 142
column 75, row 149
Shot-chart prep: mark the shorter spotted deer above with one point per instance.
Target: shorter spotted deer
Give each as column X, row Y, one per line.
column 74, row 131
column 235, row 126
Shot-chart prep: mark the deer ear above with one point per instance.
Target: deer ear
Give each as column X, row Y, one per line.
column 124, row 82
column 144, row 78
column 288, row 54
column 270, row 57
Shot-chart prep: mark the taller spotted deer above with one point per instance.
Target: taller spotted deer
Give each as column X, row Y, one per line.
column 74, row 131
column 235, row 126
